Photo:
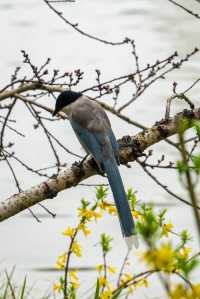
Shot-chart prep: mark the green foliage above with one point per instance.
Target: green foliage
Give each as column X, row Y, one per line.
column 97, row 291
column 196, row 163
column 132, row 198
column 101, row 192
column 197, row 127
column 106, row 243
column 148, row 227
column 181, row 167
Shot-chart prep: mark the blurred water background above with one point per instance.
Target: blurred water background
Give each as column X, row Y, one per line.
column 159, row 28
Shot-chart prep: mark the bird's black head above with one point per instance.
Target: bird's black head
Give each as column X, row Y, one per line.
column 65, row 98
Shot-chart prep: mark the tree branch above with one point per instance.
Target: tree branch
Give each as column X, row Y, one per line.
column 130, row 147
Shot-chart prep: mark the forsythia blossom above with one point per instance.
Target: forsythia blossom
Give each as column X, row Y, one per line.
column 74, row 279
column 57, row 287
column 76, row 249
column 61, row 260
column 166, row 229
column 69, row 232
column 163, row 257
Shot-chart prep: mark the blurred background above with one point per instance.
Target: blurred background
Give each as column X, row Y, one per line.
column 158, row 28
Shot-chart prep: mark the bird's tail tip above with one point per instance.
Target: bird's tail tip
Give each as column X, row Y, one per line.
column 132, row 240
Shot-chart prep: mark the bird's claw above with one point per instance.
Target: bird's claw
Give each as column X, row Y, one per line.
column 98, row 167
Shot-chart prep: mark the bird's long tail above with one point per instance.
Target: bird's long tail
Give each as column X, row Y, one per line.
column 121, row 201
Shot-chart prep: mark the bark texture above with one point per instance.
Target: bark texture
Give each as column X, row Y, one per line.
column 131, row 147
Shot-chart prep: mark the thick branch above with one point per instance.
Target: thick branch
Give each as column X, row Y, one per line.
column 130, row 145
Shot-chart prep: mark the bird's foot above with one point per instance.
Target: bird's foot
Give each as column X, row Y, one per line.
column 127, row 141
column 99, row 168
column 83, row 160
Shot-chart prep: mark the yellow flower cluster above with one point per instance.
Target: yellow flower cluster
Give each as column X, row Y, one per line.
column 107, row 294
column 103, row 281
column 126, row 277
column 86, row 231
column 76, row 249
column 184, row 252
column 61, row 261
column 105, row 206
column 74, row 280
column 108, row 291
column 184, row 292
column 136, row 214
column 163, row 258
column 58, row 287
column 89, row 214
column 111, row 269
column 69, row 232
column 166, row 229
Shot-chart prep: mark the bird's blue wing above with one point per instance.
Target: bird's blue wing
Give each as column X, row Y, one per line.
column 92, row 142
column 103, row 152
column 88, row 140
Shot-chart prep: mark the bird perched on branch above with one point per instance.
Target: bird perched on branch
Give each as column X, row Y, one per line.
column 93, row 130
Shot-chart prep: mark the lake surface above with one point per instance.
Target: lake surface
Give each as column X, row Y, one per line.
column 159, row 29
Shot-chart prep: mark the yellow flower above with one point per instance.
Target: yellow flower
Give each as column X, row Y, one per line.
column 86, row 231
column 76, row 249
column 97, row 215
column 166, row 229
column 112, row 269
column 196, row 290
column 69, row 232
column 135, row 214
column 106, row 294
column 74, row 279
column 102, row 205
column 57, row 287
column 126, row 277
column 61, row 261
column 112, row 210
column 85, row 213
column 106, row 206
column 99, row 267
column 102, row 281
column 89, row 214
column 163, row 258
column 184, row 252
column 179, row 292
column 131, row 289
column 143, row 283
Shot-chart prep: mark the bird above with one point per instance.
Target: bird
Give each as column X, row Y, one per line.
column 93, row 130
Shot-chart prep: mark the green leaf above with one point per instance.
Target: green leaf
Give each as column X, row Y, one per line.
column 149, row 226
column 197, row 127
column 23, row 289
column 132, row 198
column 97, row 291
column 181, row 167
column 196, row 162
column 106, row 243
column 161, row 216
column 101, row 192
column 185, row 236
column 12, row 291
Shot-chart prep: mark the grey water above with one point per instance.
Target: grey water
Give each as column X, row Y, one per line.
column 158, row 28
